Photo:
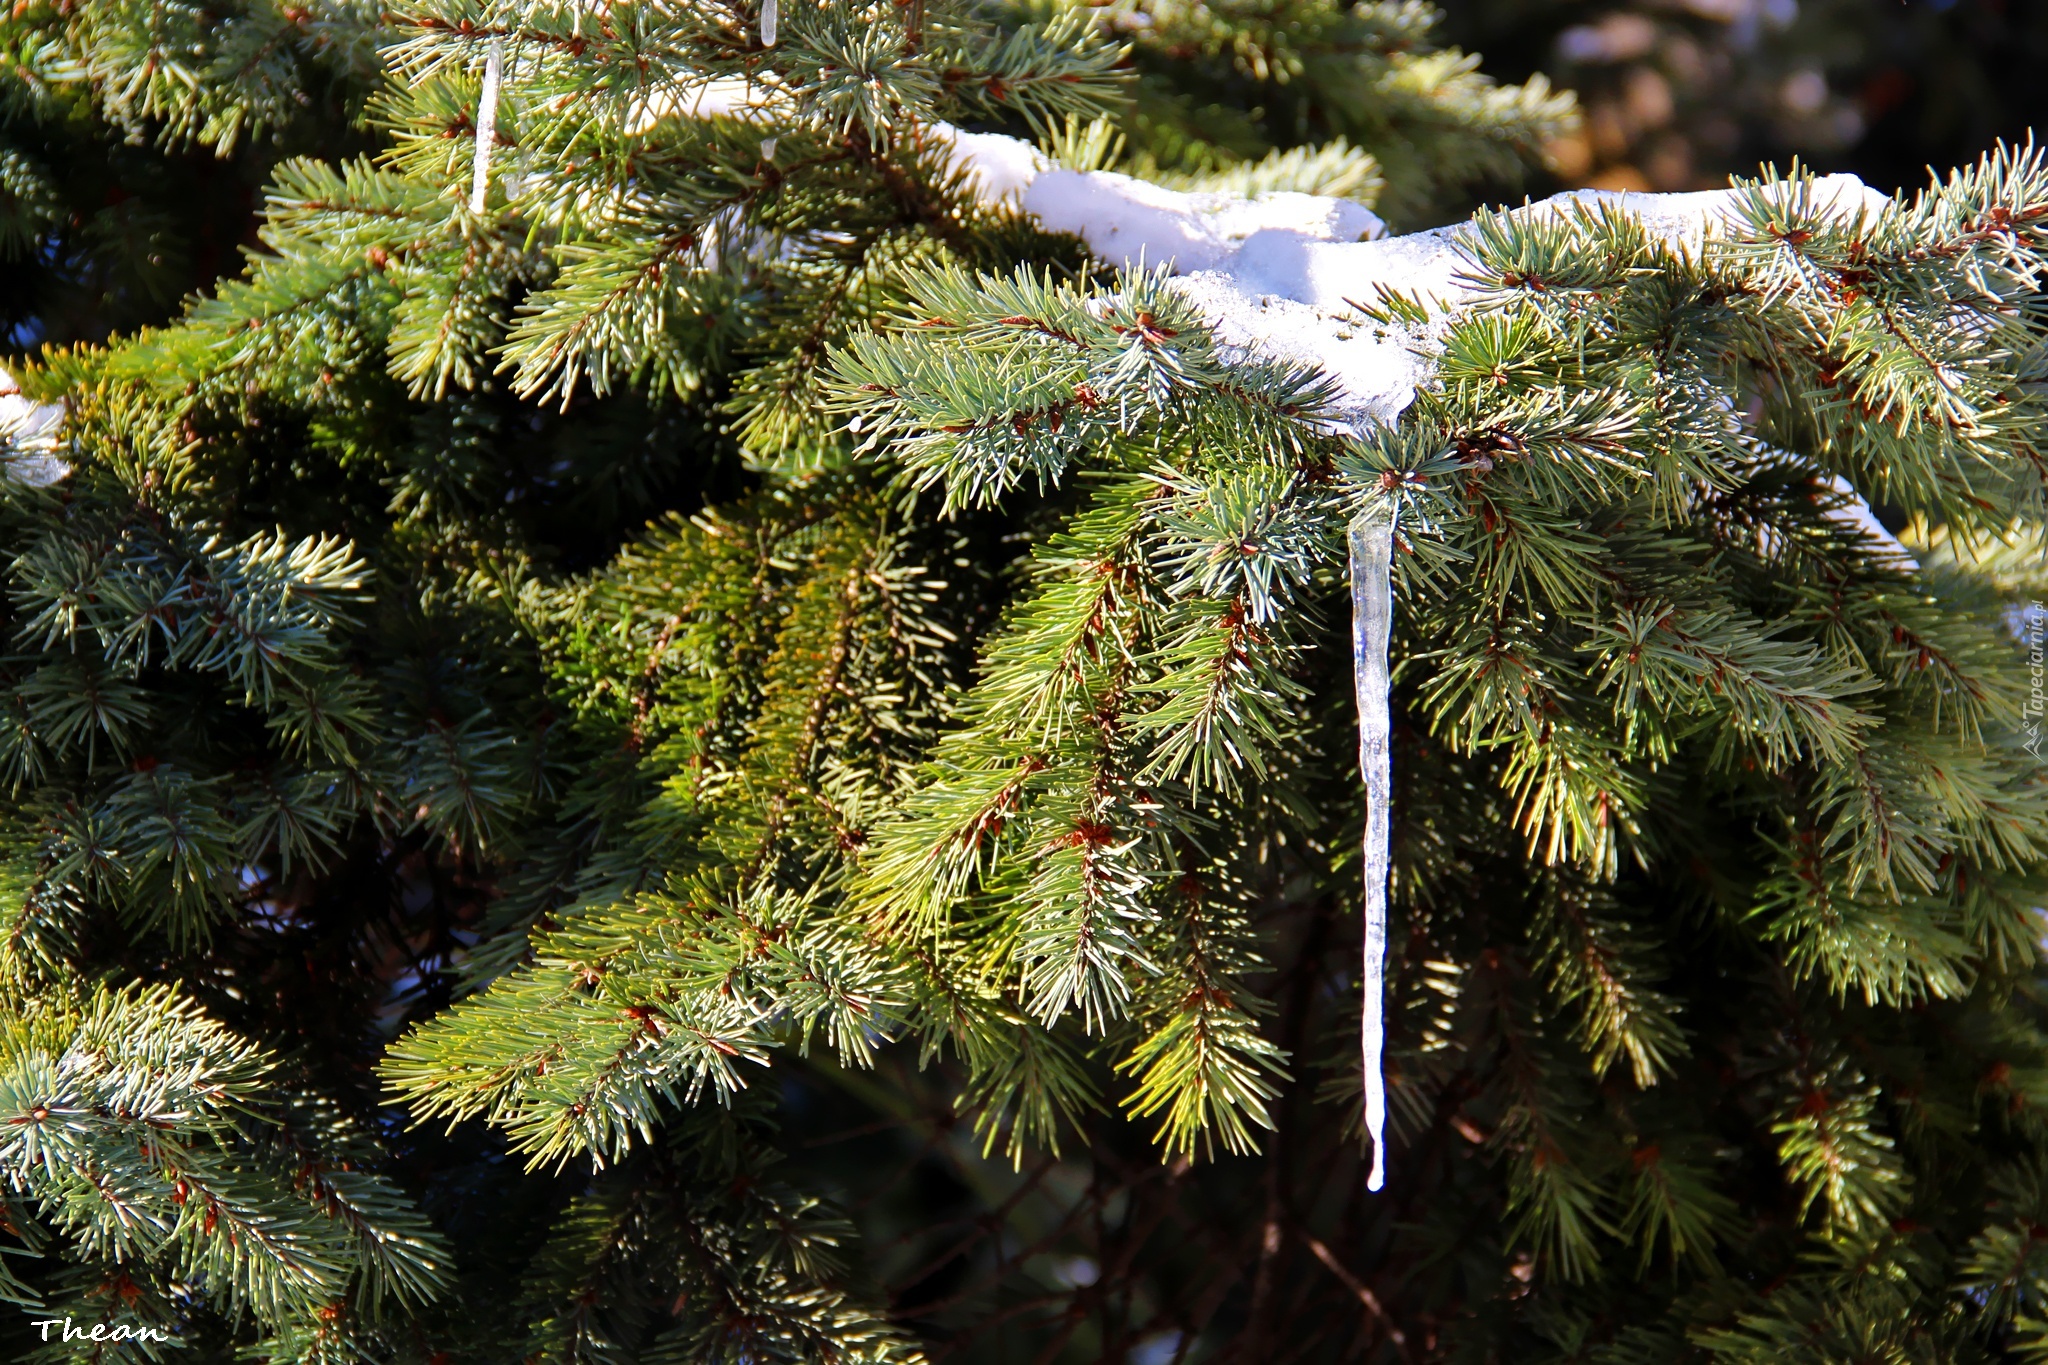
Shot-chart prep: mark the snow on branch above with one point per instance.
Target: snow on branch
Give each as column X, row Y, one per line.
column 28, row 437
column 1280, row 275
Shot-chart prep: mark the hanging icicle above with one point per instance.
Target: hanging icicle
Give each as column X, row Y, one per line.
column 771, row 18
column 486, row 125
column 1372, row 615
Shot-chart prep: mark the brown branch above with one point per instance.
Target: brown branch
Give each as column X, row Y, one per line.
column 1357, row 1287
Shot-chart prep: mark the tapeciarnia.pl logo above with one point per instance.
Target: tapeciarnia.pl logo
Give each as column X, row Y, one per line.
column 2034, row 618
column 101, row 1331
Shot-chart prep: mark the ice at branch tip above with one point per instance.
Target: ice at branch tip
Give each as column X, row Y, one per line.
column 486, row 125
column 1372, row 617
column 28, row 437
column 771, row 19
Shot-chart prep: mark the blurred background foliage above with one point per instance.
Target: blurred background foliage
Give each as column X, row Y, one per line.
column 1679, row 94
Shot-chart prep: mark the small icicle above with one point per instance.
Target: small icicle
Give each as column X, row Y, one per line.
column 486, row 125
column 1372, row 614
column 771, row 18
column 768, row 148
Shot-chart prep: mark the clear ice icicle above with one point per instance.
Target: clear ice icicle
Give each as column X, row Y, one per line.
column 771, row 19
column 486, row 125
column 1372, row 614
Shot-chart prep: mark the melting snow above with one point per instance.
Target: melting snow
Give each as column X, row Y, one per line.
column 28, row 437
column 1279, row 274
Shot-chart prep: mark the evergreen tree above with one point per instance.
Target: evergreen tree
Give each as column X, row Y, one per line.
column 694, row 723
